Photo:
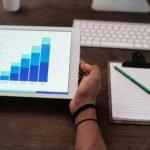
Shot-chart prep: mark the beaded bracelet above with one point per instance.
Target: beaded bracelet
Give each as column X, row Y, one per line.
column 88, row 119
column 82, row 108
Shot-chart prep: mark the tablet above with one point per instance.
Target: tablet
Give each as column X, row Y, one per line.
column 39, row 61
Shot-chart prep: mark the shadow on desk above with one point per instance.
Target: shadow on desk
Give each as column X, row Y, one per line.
column 34, row 105
column 35, row 124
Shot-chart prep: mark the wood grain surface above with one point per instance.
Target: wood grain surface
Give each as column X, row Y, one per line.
column 39, row 124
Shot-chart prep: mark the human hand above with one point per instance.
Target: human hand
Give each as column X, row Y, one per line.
column 88, row 88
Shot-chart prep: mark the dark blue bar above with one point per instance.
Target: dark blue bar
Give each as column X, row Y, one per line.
column 43, row 73
column 24, row 70
column 45, row 52
column 33, row 73
column 35, row 58
column 24, row 74
column 4, row 77
column 14, row 77
column 42, row 92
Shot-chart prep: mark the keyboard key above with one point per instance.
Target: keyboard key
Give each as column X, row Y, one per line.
column 138, row 45
column 114, row 44
column 96, row 43
column 146, row 46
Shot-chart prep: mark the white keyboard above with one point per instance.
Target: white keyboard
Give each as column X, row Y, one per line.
column 114, row 34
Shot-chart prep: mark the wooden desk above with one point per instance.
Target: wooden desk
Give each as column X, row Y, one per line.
column 27, row 124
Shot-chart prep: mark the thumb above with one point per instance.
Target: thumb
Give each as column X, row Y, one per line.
column 86, row 68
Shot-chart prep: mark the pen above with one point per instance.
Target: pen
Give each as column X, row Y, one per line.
column 132, row 79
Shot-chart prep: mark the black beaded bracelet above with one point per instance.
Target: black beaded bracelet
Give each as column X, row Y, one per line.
column 82, row 108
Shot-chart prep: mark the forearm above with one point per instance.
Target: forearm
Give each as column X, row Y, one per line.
column 88, row 135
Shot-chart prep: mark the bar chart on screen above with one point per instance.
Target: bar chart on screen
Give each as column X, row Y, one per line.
column 34, row 61
column 32, row 67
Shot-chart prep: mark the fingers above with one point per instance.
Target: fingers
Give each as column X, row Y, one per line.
column 90, row 70
column 82, row 66
column 86, row 68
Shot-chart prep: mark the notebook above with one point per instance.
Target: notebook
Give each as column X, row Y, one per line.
column 128, row 102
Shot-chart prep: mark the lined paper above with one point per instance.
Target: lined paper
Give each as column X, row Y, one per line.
column 129, row 102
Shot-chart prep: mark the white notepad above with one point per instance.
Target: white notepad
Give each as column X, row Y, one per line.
column 128, row 102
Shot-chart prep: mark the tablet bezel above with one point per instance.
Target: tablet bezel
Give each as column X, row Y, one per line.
column 74, row 62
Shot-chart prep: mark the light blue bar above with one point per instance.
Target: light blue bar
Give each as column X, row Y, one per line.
column 20, row 91
column 16, row 64
column 5, row 73
column 36, row 49
column 46, row 40
column 26, row 56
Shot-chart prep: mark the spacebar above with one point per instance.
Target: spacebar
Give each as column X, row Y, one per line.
column 117, row 44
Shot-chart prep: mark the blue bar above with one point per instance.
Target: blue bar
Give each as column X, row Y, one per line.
column 34, row 68
column 45, row 52
column 24, row 70
column 14, row 74
column 25, row 63
column 14, row 77
column 35, row 58
column 36, row 63
column 33, row 73
column 43, row 74
column 24, row 74
column 4, row 77
column 44, row 63
column 15, row 69
column 42, row 92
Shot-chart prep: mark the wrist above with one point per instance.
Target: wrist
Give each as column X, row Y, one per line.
column 79, row 101
column 88, row 113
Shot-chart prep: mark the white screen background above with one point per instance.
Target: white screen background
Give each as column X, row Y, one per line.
column 14, row 43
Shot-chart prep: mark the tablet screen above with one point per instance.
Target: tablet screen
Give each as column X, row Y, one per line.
column 35, row 61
